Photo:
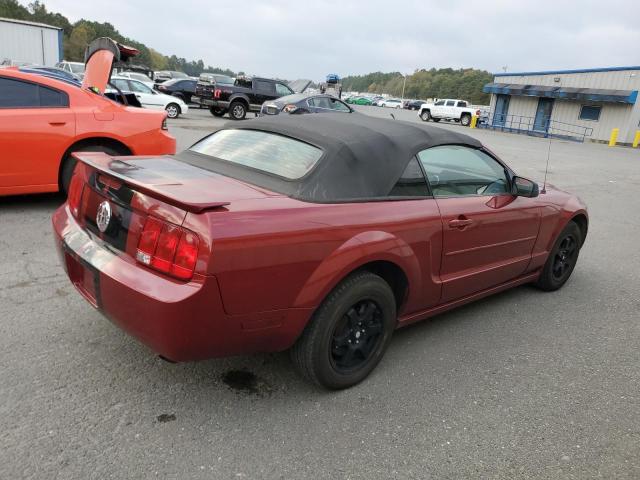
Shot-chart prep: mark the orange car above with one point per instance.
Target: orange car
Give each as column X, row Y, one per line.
column 44, row 120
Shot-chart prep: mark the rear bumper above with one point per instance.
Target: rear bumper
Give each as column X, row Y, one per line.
column 180, row 321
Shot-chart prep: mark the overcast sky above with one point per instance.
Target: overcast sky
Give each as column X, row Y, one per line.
column 310, row 38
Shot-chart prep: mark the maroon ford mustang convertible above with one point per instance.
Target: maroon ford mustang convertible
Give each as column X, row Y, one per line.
column 321, row 234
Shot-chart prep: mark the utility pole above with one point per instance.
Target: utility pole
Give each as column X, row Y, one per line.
column 404, row 83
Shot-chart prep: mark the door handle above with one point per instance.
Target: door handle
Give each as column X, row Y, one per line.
column 460, row 223
column 57, row 124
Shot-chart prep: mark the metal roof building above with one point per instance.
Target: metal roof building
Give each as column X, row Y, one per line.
column 23, row 42
column 583, row 104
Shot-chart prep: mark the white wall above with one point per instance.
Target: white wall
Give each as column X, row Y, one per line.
column 22, row 43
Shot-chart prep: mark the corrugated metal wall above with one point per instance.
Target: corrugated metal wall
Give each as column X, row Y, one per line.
column 613, row 115
column 22, row 43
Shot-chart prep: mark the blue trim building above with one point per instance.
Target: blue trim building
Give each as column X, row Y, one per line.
column 585, row 104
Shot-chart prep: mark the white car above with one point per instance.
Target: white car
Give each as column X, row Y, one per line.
column 150, row 98
column 392, row 103
column 77, row 68
column 141, row 77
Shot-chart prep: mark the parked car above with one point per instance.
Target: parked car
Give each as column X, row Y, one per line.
column 300, row 103
column 414, row 104
column 184, row 89
column 43, row 120
column 321, row 236
column 141, row 77
column 449, row 109
column 245, row 95
column 150, row 98
column 164, row 75
column 359, row 101
column 392, row 103
column 76, row 68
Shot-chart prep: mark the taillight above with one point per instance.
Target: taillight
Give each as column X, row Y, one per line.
column 168, row 248
column 216, row 93
column 75, row 194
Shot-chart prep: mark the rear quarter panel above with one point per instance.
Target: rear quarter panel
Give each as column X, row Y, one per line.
column 280, row 253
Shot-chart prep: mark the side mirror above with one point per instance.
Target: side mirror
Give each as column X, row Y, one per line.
column 523, row 187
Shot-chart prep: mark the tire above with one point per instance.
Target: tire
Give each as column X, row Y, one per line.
column 425, row 116
column 69, row 163
column 435, row 119
column 465, row 120
column 217, row 112
column 562, row 259
column 329, row 353
column 173, row 110
column 237, row 110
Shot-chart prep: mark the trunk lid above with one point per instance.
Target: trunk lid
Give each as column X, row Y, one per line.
column 189, row 188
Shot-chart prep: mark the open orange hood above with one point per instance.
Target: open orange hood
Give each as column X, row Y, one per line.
column 99, row 58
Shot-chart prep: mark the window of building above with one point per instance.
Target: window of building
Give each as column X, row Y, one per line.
column 455, row 171
column 412, row 182
column 590, row 112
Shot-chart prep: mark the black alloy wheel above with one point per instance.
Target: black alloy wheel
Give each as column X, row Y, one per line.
column 562, row 259
column 356, row 336
column 349, row 332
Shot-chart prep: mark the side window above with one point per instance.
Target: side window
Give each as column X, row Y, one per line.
column 455, row 171
column 121, row 84
column 18, row 94
column 450, row 103
column 439, row 103
column 321, row 102
column 411, row 183
column 263, row 86
column 462, row 104
column 338, row 105
column 283, row 90
column 15, row 94
column 53, row 98
column 139, row 87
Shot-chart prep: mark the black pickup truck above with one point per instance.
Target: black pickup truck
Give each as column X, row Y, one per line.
column 244, row 95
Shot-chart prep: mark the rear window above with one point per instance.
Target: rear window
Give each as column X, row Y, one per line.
column 267, row 152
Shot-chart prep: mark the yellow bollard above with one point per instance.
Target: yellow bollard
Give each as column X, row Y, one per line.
column 636, row 140
column 474, row 121
column 614, row 137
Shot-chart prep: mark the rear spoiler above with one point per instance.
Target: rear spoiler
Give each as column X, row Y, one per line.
column 190, row 199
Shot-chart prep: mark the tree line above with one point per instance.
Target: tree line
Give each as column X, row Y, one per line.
column 76, row 37
column 464, row 83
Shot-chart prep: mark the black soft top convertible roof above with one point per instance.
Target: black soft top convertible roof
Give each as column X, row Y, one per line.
column 363, row 156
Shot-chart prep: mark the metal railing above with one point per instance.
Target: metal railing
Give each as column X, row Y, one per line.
column 540, row 126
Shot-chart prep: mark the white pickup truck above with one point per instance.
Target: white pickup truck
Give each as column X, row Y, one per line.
column 448, row 109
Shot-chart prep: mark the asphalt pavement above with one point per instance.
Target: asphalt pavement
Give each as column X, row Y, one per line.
column 524, row 384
